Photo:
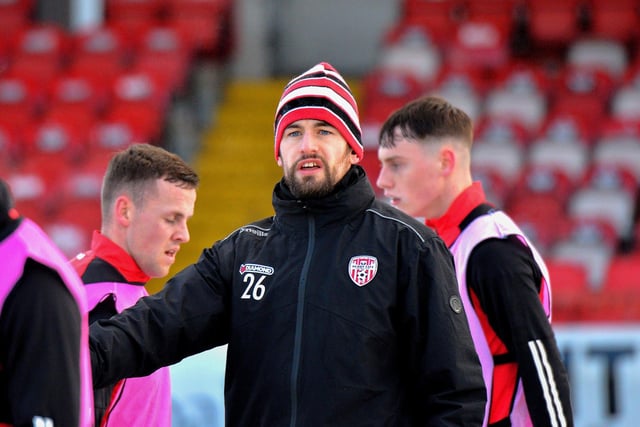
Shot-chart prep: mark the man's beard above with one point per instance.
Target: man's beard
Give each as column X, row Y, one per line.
column 309, row 187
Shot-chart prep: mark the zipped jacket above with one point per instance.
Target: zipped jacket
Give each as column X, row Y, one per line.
column 341, row 311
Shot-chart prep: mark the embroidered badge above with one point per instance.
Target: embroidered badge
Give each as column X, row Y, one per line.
column 362, row 269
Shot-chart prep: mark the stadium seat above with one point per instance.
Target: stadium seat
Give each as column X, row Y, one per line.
column 615, row 19
column 567, row 127
column 439, row 16
column 501, row 129
column 625, row 103
column 624, row 274
column 76, row 100
column 572, row 157
column 506, row 158
column 462, row 87
column 503, row 13
column 589, row 243
column 15, row 16
column 583, row 91
column 479, row 44
column 569, row 286
column 385, row 90
column 528, row 109
column 163, row 52
column 552, row 22
column 618, row 150
column 39, row 53
column 607, row 195
column 599, row 53
column 132, row 15
column 107, row 136
column 524, row 77
column 21, row 103
column 56, row 141
column 204, row 24
column 34, row 187
column 424, row 61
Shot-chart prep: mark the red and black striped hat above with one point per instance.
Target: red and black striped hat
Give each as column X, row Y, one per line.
column 320, row 93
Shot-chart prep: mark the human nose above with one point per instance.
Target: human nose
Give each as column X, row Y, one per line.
column 182, row 234
column 383, row 181
column 308, row 143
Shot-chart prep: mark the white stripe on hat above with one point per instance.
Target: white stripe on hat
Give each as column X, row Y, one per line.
column 323, row 91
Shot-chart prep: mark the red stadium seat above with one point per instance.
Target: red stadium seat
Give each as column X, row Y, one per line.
column 615, row 19
column 477, row 44
column 552, row 22
column 21, row 103
column 438, row 16
column 569, row 286
column 39, row 53
column 163, row 52
column 15, row 16
column 132, row 15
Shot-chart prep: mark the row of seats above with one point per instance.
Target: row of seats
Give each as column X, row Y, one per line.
column 557, row 141
column 545, row 22
column 68, row 100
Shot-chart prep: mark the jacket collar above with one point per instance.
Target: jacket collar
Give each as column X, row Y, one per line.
column 352, row 195
column 448, row 226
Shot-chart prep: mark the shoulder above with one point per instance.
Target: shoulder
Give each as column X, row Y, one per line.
column 388, row 217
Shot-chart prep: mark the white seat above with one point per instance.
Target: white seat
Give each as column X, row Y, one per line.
column 618, row 151
column 568, row 156
column 503, row 157
column 529, row 109
column 625, row 103
column 607, row 54
column 595, row 258
column 615, row 206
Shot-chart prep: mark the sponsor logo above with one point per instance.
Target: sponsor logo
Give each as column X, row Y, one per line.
column 257, row 232
column 256, row 268
column 362, row 269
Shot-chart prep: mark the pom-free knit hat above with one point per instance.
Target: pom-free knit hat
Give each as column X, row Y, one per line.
column 320, row 93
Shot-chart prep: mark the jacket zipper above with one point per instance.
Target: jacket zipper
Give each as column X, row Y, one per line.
column 297, row 343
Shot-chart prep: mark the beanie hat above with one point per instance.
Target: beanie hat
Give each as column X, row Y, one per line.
column 320, row 93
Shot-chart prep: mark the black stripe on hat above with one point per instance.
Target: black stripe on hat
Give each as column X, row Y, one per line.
column 314, row 101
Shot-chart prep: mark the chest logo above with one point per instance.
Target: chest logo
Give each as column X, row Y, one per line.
column 362, row 269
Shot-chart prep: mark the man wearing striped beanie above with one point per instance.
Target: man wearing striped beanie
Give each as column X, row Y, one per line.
column 318, row 111
column 339, row 310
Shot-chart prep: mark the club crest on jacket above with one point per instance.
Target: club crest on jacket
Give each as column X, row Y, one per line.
column 362, row 269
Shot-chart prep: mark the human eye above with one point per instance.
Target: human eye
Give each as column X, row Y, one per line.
column 395, row 166
column 292, row 133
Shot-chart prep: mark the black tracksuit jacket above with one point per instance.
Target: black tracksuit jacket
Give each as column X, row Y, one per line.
column 306, row 345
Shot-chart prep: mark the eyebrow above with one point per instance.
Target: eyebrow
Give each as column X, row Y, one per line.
column 318, row 123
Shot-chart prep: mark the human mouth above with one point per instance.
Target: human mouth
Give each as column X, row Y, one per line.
column 171, row 253
column 309, row 164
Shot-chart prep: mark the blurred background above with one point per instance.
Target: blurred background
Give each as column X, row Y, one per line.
column 553, row 87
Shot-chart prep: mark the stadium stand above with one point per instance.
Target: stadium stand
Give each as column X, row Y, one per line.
column 69, row 99
column 557, row 128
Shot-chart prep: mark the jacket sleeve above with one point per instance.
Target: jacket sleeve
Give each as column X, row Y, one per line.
column 186, row 317
column 40, row 350
column 449, row 388
column 506, row 280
